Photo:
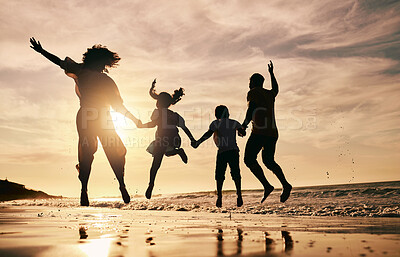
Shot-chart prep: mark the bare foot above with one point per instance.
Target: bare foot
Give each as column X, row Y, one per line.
column 84, row 198
column 149, row 191
column 239, row 201
column 286, row 193
column 125, row 195
column 183, row 155
column 219, row 202
column 268, row 190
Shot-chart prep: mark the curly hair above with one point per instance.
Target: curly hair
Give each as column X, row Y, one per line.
column 177, row 95
column 99, row 57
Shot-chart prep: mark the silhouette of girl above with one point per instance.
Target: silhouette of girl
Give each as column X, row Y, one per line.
column 97, row 93
column 168, row 141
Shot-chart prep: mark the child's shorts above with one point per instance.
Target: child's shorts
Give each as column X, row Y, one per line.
column 230, row 157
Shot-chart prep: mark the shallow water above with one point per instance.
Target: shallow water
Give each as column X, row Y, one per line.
column 356, row 200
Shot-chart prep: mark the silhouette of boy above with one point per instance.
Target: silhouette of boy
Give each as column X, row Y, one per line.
column 97, row 93
column 264, row 134
column 224, row 130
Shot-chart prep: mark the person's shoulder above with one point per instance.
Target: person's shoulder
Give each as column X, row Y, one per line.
column 253, row 93
column 171, row 112
column 107, row 80
column 261, row 91
column 70, row 66
column 214, row 125
column 234, row 123
column 269, row 92
column 155, row 114
column 215, row 122
column 105, row 76
column 70, row 61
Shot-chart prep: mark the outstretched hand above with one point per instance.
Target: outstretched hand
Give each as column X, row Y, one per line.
column 36, row 45
column 153, row 84
column 270, row 67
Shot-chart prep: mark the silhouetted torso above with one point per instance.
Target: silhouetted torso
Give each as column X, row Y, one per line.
column 264, row 117
column 94, row 89
column 167, row 122
column 225, row 134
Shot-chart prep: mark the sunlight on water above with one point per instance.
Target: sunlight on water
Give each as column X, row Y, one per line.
column 96, row 247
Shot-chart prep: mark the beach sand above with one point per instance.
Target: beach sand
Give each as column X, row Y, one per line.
column 89, row 231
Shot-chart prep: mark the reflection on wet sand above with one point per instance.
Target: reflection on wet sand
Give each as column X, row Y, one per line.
column 269, row 243
column 82, row 232
column 239, row 241
column 96, row 247
column 106, row 245
column 288, row 241
column 220, row 238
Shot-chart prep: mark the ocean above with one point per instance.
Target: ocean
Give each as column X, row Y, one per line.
column 379, row 199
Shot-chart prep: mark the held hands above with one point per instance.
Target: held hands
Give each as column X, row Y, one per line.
column 270, row 67
column 36, row 45
column 138, row 123
column 195, row 144
column 242, row 132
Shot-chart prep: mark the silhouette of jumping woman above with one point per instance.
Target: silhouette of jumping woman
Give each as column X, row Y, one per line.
column 264, row 134
column 224, row 131
column 168, row 141
column 97, row 93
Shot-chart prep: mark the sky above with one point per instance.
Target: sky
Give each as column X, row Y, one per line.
column 336, row 62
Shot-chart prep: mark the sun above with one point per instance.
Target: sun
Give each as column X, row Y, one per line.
column 121, row 123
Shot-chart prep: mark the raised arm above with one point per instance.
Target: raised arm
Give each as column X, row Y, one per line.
column 274, row 83
column 35, row 45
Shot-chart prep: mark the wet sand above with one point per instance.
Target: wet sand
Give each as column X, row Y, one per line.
column 89, row 231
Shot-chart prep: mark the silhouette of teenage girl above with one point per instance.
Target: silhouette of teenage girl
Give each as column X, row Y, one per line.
column 167, row 141
column 97, row 93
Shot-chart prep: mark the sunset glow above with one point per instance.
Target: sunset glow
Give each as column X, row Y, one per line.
column 336, row 62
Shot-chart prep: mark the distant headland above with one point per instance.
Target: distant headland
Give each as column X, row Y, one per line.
column 14, row 191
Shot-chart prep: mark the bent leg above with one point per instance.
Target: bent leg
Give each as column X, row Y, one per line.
column 87, row 146
column 115, row 152
column 268, row 156
column 253, row 147
column 173, row 147
column 178, row 151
